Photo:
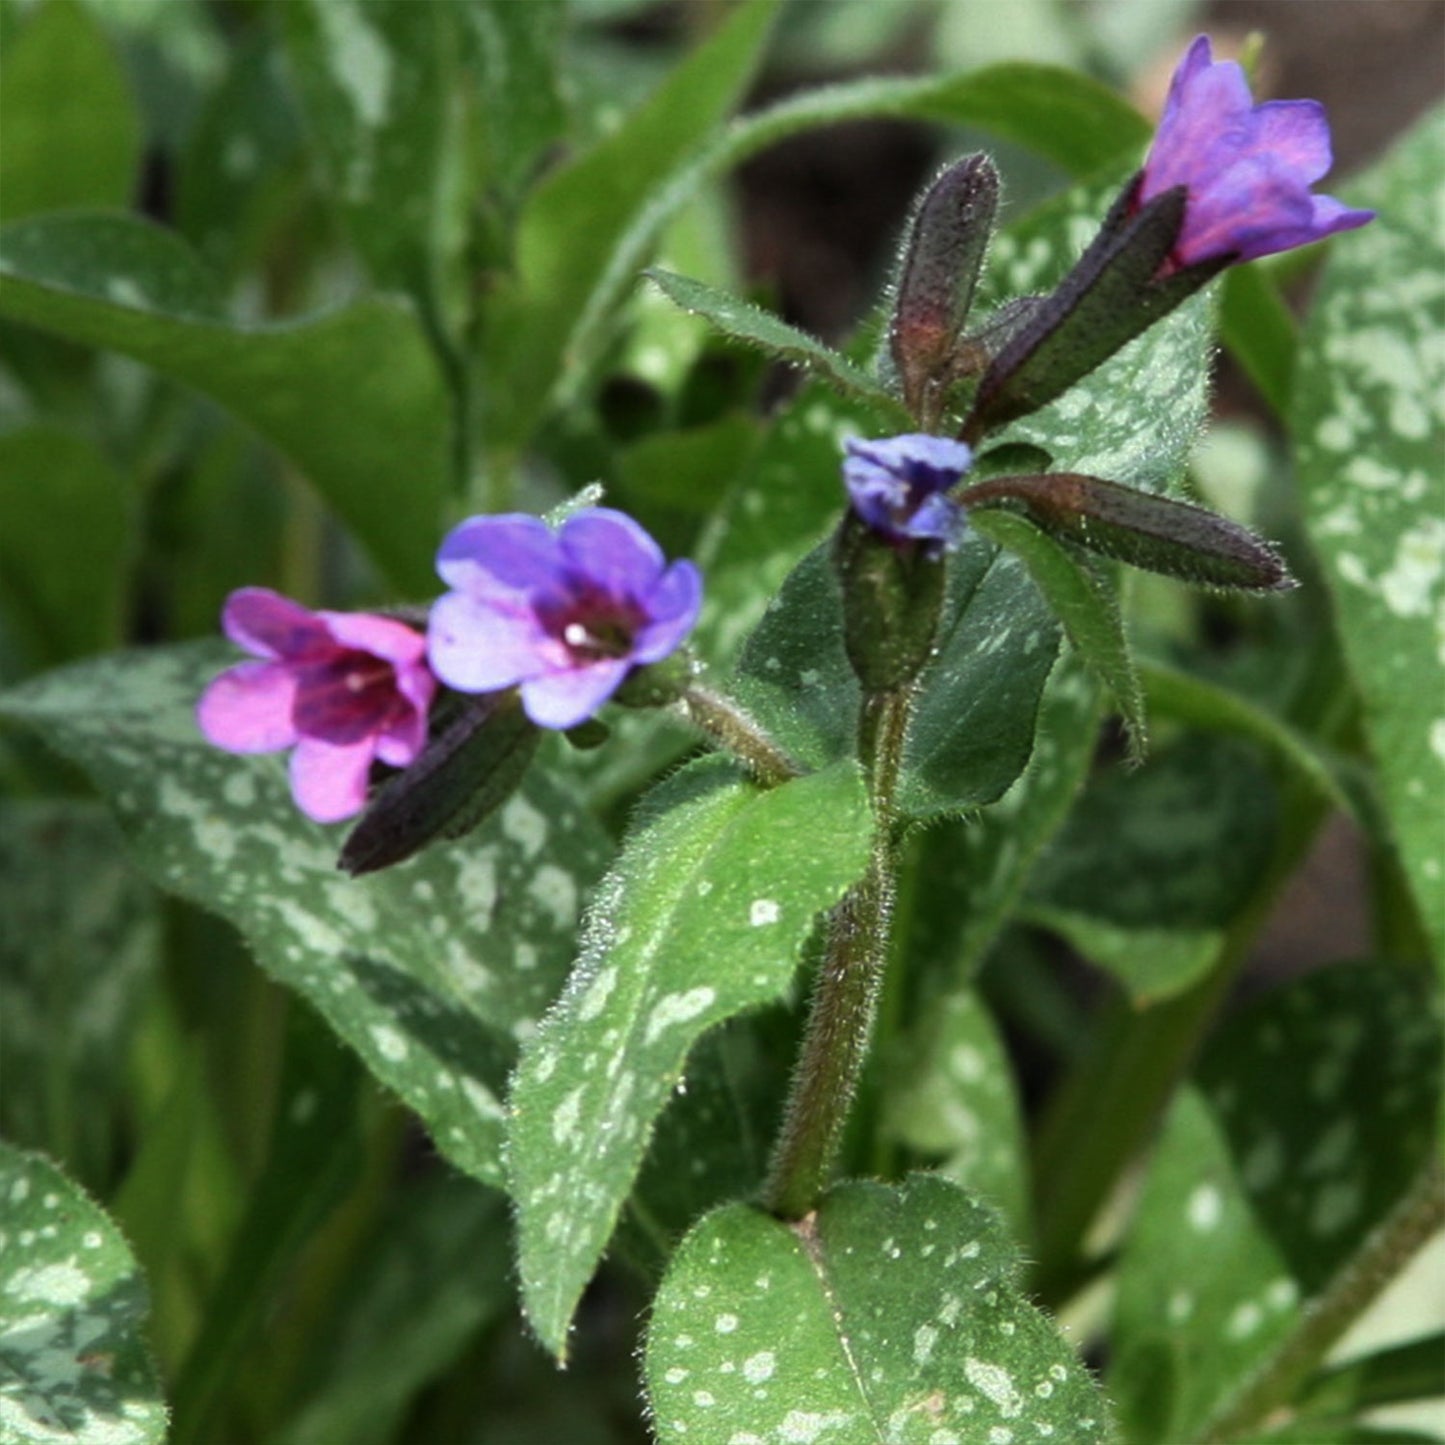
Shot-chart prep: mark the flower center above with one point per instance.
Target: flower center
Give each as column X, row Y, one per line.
column 593, row 625
column 344, row 697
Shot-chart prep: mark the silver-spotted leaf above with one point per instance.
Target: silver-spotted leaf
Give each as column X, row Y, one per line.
column 1313, row 1113
column 430, row 971
column 892, row 1314
column 704, row 916
column 1369, row 424
column 72, row 1308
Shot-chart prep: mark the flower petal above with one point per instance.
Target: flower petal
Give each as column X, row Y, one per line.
column 380, row 636
column 672, row 608
column 329, row 783
column 609, row 549
column 248, row 709
column 565, row 699
column 403, row 740
column 269, row 625
column 510, row 553
column 481, row 645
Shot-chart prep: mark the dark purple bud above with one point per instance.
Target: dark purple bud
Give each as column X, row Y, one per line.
column 1144, row 530
column 465, row 774
column 1115, row 292
column 941, row 262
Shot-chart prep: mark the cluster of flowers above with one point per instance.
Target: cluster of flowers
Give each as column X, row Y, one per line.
column 566, row 615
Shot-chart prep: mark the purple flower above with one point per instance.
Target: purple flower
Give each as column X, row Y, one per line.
column 565, row 614
column 897, row 486
column 1247, row 168
column 339, row 688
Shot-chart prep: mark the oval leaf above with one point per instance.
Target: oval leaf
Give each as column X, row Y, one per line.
column 72, row 1303
column 428, row 971
column 697, row 922
column 891, row 1314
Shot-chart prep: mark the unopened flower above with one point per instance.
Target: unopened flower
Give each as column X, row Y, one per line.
column 340, row 689
column 898, row 486
column 1247, row 168
column 563, row 615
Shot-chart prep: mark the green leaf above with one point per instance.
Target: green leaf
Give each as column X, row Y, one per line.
column 744, row 322
column 375, row 81
column 1414, row 1370
column 1153, row 865
column 697, row 922
column 951, row 1100
column 433, row 1273
column 240, row 169
column 79, row 946
column 973, row 727
column 1026, row 103
column 314, row 1157
column 892, row 1314
column 60, row 152
column 974, row 869
column 429, row 971
column 1086, row 602
column 712, row 1142
column 72, row 1306
column 1260, row 332
column 1211, row 708
column 1267, row 1180
column 517, row 87
column 779, row 510
column 353, row 395
column 1369, row 417
column 575, row 218
column 67, row 526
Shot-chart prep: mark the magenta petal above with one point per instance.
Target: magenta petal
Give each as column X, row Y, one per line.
column 565, row 699
column 612, row 551
column 477, row 646
column 380, row 636
column 270, row 625
column 248, row 709
column 402, row 742
column 509, row 553
column 329, row 783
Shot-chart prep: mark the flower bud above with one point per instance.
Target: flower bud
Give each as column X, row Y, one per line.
column 465, row 774
column 941, row 261
column 1144, row 530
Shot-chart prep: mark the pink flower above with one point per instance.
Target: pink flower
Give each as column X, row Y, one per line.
column 565, row 615
column 1247, row 168
column 341, row 689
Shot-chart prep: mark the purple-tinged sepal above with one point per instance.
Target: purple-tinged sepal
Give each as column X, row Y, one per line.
column 1120, row 287
column 942, row 258
column 1155, row 533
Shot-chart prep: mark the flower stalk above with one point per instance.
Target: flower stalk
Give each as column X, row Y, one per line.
column 850, row 980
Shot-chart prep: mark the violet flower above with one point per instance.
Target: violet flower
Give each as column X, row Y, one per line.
column 897, row 485
column 565, row 615
column 1247, row 168
column 340, row 689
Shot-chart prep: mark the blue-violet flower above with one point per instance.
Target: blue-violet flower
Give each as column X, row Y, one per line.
column 1247, row 168
column 566, row 615
column 340, row 689
column 898, row 486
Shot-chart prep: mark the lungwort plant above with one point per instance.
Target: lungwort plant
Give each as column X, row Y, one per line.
column 788, row 971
